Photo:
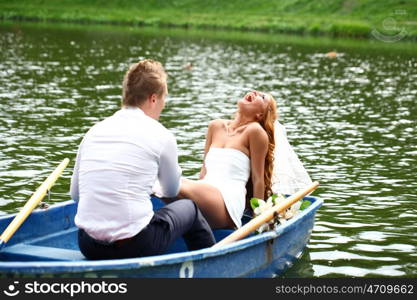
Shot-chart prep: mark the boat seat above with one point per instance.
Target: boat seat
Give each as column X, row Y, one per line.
column 25, row 252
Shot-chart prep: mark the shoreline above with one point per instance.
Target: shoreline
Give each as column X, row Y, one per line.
column 325, row 43
column 312, row 24
column 138, row 24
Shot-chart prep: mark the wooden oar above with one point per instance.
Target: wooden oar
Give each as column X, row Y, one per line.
column 266, row 216
column 32, row 203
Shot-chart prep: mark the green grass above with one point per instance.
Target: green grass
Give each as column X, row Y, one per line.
column 341, row 18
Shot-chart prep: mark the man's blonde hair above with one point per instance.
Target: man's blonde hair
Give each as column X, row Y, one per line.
column 143, row 79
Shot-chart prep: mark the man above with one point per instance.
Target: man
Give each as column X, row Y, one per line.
column 118, row 162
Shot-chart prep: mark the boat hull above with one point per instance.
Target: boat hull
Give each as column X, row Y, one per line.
column 46, row 246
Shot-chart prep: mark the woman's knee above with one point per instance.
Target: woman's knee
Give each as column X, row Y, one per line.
column 184, row 188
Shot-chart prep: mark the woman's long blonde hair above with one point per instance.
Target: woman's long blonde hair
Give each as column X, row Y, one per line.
column 268, row 124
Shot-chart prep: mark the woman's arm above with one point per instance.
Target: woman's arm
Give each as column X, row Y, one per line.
column 209, row 138
column 258, row 148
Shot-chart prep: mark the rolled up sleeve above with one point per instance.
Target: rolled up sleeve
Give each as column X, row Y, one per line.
column 169, row 173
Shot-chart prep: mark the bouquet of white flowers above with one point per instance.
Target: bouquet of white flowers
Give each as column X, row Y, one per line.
column 259, row 206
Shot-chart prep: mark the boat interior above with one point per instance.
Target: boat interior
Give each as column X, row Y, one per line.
column 51, row 235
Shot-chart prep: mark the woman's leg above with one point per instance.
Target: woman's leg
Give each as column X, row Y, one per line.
column 209, row 200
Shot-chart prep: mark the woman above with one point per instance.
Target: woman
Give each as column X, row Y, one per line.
column 236, row 150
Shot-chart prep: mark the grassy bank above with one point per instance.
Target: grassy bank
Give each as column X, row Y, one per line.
column 338, row 18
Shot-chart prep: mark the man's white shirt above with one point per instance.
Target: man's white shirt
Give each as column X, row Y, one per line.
column 117, row 163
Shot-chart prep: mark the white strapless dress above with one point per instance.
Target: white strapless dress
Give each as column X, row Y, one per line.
column 228, row 170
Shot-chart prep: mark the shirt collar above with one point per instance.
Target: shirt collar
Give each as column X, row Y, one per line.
column 131, row 111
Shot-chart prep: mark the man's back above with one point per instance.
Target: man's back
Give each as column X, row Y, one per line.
column 118, row 165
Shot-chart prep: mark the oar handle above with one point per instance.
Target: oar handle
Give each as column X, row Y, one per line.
column 266, row 216
column 32, row 203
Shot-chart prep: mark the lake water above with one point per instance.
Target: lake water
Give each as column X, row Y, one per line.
column 351, row 119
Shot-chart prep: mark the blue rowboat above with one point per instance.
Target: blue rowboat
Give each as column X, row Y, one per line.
column 46, row 246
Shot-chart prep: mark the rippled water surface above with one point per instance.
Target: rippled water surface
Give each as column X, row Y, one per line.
column 351, row 119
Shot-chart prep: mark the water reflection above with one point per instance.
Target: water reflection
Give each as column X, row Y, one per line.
column 351, row 119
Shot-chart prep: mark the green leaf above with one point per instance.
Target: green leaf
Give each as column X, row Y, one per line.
column 273, row 197
column 305, row 204
column 254, row 203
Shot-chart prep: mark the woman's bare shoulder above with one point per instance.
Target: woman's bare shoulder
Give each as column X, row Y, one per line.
column 256, row 130
column 218, row 123
column 255, row 127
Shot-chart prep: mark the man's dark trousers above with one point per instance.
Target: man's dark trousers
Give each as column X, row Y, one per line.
column 176, row 219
